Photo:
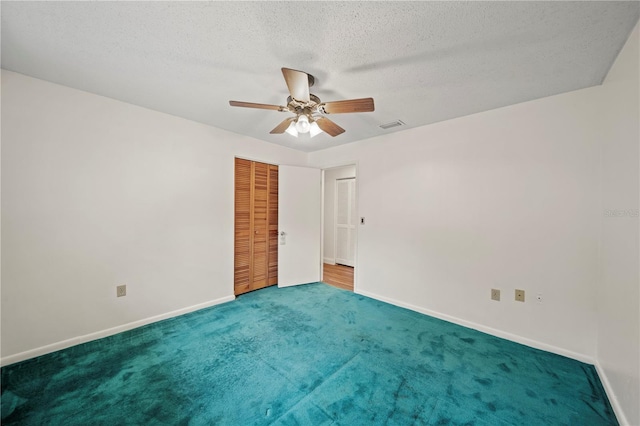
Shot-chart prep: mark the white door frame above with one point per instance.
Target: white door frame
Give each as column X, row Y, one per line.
column 357, row 232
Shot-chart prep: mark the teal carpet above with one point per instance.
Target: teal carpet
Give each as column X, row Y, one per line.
column 307, row 355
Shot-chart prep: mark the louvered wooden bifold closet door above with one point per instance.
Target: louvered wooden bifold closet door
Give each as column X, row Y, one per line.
column 256, row 226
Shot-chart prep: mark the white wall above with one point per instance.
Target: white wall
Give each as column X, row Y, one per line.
column 96, row 193
column 619, row 293
column 540, row 196
column 503, row 199
column 330, row 177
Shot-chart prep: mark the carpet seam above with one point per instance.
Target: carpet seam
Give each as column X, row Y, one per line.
column 308, row 395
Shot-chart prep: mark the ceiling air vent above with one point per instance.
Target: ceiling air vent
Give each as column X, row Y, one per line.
column 392, row 124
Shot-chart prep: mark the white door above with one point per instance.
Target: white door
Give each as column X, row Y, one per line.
column 299, row 222
column 345, row 221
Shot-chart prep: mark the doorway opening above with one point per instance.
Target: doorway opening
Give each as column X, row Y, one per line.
column 339, row 234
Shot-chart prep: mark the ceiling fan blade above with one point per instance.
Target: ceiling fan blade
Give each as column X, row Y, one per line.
column 258, row 106
column 329, row 127
column 298, row 84
column 351, row 105
column 280, row 128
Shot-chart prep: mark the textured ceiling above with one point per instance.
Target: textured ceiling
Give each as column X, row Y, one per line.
column 422, row 62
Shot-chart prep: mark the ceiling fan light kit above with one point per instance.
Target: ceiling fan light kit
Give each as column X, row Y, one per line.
column 303, row 125
column 308, row 108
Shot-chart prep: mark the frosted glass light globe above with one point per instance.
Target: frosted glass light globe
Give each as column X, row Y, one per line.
column 302, row 126
column 314, row 130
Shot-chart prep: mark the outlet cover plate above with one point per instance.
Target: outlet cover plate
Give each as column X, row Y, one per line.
column 121, row 290
column 519, row 295
column 495, row 294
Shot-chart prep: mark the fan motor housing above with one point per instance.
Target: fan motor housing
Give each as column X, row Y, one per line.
column 306, row 108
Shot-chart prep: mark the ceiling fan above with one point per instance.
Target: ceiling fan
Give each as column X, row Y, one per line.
column 308, row 108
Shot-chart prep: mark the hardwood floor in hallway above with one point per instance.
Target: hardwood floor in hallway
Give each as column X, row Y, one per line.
column 338, row 276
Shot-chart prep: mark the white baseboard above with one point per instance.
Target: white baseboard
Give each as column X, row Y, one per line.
column 32, row 353
column 329, row 260
column 494, row 332
column 615, row 404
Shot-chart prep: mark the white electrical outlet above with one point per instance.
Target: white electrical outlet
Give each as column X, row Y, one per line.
column 539, row 297
column 121, row 290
